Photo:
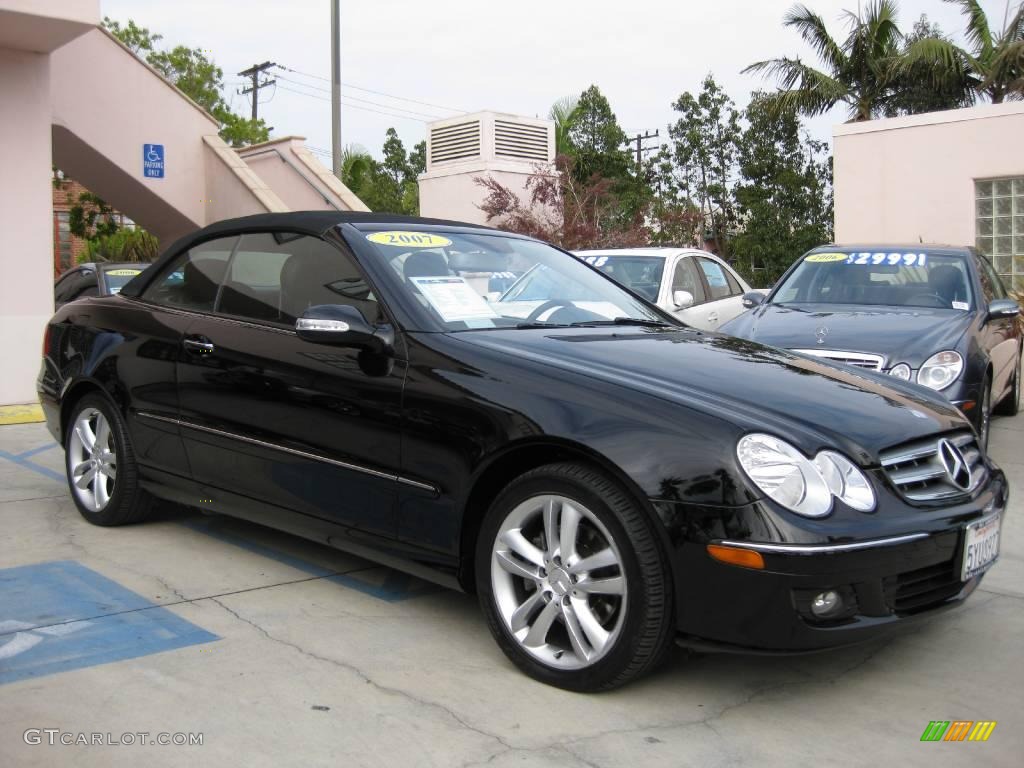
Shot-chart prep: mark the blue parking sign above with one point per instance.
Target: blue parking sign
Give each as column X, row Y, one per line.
column 153, row 161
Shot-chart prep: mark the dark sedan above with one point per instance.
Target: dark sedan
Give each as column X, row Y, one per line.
column 938, row 316
column 92, row 279
column 606, row 479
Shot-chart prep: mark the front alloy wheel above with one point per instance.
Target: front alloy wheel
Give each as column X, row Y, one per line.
column 558, row 581
column 573, row 579
column 92, row 460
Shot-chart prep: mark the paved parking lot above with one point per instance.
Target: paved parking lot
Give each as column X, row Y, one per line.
column 281, row 652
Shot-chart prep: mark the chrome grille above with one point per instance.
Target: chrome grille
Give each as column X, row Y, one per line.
column 856, row 359
column 919, row 473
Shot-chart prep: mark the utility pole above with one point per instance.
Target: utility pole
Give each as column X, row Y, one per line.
column 254, row 73
column 336, row 87
column 640, row 148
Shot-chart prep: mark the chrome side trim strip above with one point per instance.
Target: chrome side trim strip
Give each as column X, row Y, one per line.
column 818, row 549
column 292, row 451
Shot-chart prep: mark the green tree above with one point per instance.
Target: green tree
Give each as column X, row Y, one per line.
column 992, row 67
column 705, row 144
column 389, row 185
column 90, row 217
column 595, row 140
column 194, row 74
column 561, row 113
column 917, row 89
column 861, row 72
column 784, row 194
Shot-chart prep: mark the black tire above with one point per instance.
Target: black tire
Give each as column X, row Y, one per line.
column 984, row 422
column 647, row 627
column 128, row 502
column 1010, row 405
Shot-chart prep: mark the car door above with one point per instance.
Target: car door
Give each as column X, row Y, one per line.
column 310, row 427
column 685, row 277
column 724, row 292
column 999, row 336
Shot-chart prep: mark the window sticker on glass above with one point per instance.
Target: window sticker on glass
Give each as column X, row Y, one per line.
column 887, row 259
column 409, row 239
column 823, row 258
column 453, row 298
column 596, row 261
column 713, row 272
column 961, row 305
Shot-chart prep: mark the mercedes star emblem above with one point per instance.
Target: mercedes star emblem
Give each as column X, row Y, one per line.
column 953, row 462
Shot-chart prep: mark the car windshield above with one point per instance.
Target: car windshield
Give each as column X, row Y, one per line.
column 475, row 281
column 641, row 274
column 116, row 279
column 890, row 278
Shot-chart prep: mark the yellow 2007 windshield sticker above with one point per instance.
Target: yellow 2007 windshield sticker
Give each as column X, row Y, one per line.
column 409, row 239
column 123, row 272
column 817, row 258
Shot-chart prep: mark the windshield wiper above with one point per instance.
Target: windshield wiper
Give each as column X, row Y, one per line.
column 623, row 321
column 541, row 324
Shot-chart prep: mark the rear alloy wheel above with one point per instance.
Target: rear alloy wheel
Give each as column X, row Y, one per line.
column 572, row 580
column 100, row 464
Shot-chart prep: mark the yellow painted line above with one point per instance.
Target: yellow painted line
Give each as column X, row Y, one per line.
column 28, row 413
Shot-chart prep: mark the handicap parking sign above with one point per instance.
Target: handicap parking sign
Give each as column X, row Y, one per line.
column 153, row 161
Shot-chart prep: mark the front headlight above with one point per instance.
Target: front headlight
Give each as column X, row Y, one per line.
column 782, row 472
column 941, row 369
column 804, row 486
column 900, row 371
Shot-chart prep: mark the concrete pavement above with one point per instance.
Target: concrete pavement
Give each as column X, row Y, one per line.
column 282, row 652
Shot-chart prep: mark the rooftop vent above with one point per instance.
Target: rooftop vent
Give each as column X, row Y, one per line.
column 522, row 141
column 455, row 142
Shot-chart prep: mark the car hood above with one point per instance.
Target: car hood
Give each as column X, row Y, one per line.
column 900, row 334
column 755, row 387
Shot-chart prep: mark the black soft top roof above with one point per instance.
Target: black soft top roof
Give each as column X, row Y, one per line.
column 307, row 222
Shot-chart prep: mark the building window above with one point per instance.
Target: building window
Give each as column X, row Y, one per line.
column 999, row 226
column 63, row 244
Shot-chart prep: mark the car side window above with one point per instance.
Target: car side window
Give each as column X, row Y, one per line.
column 717, row 281
column 275, row 276
column 734, row 285
column 991, row 285
column 193, row 279
column 685, row 278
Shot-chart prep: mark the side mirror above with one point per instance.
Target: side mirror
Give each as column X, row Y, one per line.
column 344, row 326
column 682, row 299
column 1003, row 308
column 752, row 298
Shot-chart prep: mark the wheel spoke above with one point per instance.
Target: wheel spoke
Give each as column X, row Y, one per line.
column 567, row 533
column 523, row 547
column 576, row 637
column 99, row 491
column 596, row 635
column 83, row 474
column 538, row 633
column 108, row 470
column 602, row 559
column 516, row 568
column 551, row 527
column 85, row 435
column 520, row 618
column 613, row 585
column 102, row 433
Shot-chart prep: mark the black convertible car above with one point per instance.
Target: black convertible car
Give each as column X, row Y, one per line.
column 935, row 315
column 605, row 478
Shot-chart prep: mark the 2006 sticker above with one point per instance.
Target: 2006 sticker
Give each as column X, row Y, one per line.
column 819, row 258
column 409, row 239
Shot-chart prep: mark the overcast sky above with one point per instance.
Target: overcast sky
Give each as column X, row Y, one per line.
column 517, row 57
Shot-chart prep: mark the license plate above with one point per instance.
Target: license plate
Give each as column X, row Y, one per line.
column 981, row 547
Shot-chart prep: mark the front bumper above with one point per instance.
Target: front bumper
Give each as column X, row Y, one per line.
column 886, row 581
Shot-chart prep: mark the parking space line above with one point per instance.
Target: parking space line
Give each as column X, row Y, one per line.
column 22, row 460
column 393, row 587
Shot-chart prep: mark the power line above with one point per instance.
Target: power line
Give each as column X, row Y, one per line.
column 364, row 101
column 640, row 149
column 370, row 90
column 353, row 106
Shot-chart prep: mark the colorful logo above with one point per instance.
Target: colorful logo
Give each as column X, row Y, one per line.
column 958, row 730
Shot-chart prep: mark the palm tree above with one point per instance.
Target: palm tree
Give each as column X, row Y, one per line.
column 994, row 67
column 561, row 112
column 859, row 72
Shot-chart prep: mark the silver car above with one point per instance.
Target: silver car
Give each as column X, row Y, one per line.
column 698, row 287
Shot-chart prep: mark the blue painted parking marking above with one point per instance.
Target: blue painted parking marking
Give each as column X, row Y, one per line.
column 23, row 460
column 60, row 616
column 375, row 581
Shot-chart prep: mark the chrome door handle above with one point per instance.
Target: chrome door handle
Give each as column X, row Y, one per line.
column 195, row 345
column 712, row 317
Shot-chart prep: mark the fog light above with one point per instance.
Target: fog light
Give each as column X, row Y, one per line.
column 825, row 603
